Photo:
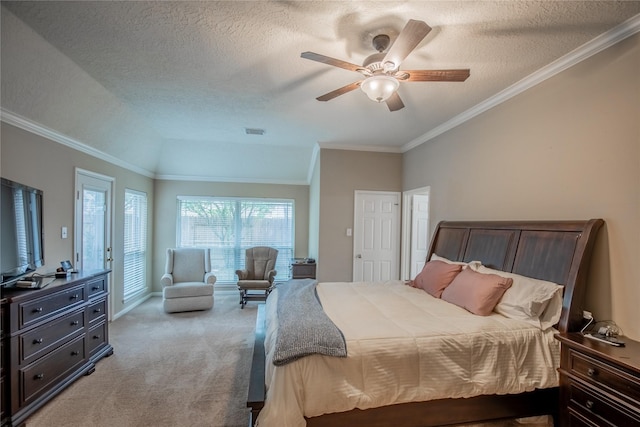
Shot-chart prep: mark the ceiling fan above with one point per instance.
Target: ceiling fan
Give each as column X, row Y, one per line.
column 382, row 70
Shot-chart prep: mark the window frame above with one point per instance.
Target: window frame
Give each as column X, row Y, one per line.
column 286, row 252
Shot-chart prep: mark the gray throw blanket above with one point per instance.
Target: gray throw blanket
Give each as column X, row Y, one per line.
column 304, row 328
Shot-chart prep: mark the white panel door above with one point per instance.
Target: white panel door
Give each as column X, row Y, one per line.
column 376, row 237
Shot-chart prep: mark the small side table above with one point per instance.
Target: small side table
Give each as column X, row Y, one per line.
column 303, row 270
column 599, row 383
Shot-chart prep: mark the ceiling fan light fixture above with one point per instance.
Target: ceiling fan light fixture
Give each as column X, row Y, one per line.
column 379, row 88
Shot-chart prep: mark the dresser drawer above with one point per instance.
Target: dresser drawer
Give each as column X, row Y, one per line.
column 37, row 377
column 576, row 420
column 39, row 341
column 97, row 286
column 3, row 400
column 97, row 310
column 613, row 380
column 97, row 338
column 599, row 409
column 38, row 309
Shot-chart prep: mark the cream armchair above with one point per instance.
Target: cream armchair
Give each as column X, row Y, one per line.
column 187, row 283
column 256, row 279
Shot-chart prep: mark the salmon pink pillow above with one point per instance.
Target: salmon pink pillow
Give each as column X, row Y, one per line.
column 476, row 292
column 436, row 276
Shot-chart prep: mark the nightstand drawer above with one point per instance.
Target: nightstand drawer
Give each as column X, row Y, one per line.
column 609, row 378
column 598, row 409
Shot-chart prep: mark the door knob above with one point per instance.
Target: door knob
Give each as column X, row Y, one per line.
column 359, row 256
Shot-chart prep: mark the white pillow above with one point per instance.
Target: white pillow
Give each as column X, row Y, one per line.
column 435, row 257
column 535, row 301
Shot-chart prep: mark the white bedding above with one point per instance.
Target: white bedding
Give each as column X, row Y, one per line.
column 404, row 345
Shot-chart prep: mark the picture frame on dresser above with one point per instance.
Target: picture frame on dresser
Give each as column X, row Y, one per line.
column 52, row 337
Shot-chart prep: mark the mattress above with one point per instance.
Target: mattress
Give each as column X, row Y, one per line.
column 403, row 346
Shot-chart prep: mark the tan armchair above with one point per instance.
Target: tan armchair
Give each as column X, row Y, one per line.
column 256, row 279
column 187, row 283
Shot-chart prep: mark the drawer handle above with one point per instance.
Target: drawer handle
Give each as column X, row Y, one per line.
column 38, row 341
column 97, row 310
column 74, row 296
column 75, row 323
column 38, row 376
column 37, row 310
column 95, row 288
column 75, row 353
column 96, row 337
column 592, row 372
column 589, row 404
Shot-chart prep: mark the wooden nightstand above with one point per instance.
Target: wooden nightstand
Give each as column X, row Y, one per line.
column 303, row 270
column 599, row 383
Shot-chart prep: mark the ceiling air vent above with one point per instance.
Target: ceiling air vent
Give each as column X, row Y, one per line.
column 250, row 131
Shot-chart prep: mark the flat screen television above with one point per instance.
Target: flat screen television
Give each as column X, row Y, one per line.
column 21, row 231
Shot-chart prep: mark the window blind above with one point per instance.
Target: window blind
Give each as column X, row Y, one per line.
column 228, row 226
column 135, row 243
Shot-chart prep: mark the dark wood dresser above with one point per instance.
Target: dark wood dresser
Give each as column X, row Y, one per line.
column 303, row 270
column 4, row 391
column 599, row 383
column 52, row 337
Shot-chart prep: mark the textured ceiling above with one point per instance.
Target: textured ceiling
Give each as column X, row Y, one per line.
column 169, row 87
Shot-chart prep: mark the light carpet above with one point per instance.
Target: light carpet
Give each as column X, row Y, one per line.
column 180, row 369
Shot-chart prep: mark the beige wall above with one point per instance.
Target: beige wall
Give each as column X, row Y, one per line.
column 343, row 172
column 49, row 166
column 568, row 148
column 166, row 209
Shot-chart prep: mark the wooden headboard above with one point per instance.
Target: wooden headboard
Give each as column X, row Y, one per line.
column 557, row 251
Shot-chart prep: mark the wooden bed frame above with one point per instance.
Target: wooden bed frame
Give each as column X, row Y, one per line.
column 557, row 251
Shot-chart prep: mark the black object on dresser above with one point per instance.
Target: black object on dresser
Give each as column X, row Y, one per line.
column 53, row 336
column 599, row 383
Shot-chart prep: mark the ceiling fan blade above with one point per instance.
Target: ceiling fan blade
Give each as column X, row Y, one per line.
column 434, row 75
column 335, row 93
column 394, row 102
column 410, row 36
column 331, row 61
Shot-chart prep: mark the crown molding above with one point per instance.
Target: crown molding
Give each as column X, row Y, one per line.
column 592, row 47
column 45, row 132
column 375, row 148
column 228, row 179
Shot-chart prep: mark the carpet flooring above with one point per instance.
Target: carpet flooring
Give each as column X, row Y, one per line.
column 180, row 369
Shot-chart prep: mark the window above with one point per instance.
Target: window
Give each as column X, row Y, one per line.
column 228, row 226
column 135, row 243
